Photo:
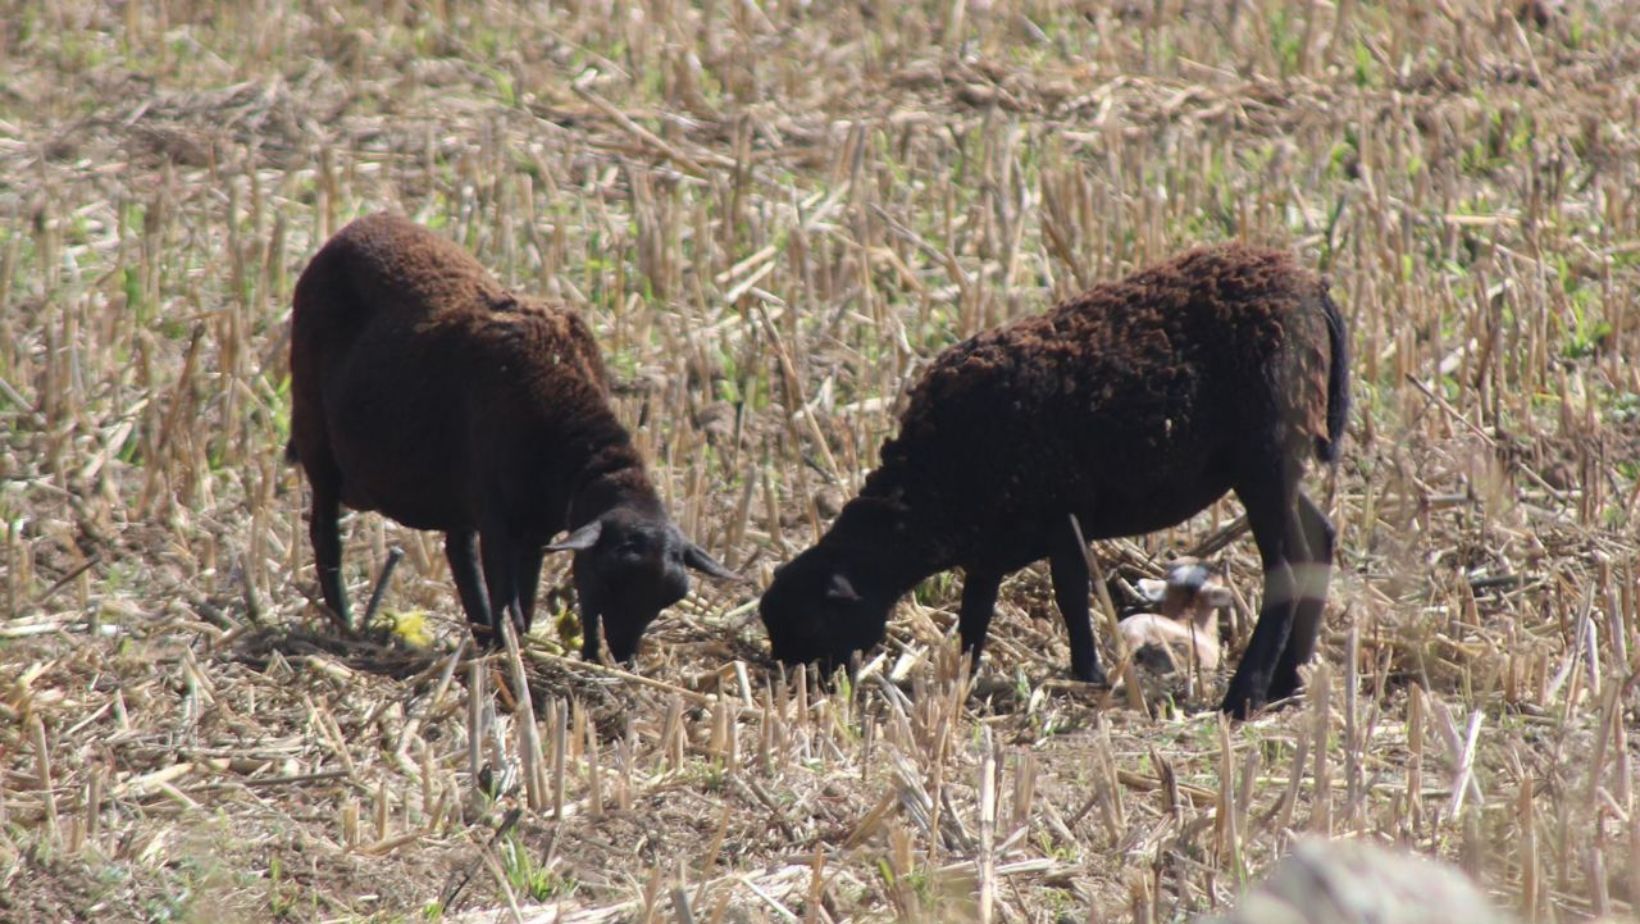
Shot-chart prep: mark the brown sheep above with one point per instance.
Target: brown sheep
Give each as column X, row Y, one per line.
column 1130, row 407
column 424, row 390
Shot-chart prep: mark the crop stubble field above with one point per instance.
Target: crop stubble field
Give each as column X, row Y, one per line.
column 774, row 215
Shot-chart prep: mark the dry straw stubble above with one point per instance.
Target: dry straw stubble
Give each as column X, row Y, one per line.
column 773, row 215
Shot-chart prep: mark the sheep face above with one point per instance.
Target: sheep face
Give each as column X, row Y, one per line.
column 628, row 567
column 819, row 608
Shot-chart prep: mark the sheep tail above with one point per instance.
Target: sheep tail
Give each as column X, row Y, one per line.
column 291, row 456
column 1338, row 380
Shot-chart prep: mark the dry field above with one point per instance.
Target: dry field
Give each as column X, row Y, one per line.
column 774, row 213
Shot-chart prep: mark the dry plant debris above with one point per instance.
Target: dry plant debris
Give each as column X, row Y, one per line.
column 773, row 214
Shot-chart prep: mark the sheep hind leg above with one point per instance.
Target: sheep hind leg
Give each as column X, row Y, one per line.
column 979, row 600
column 1069, row 568
column 1312, row 575
column 461, row 551
column 1269, row 503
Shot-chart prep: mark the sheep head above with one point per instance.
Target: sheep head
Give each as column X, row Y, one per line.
column 823, row 607
column 629, row 566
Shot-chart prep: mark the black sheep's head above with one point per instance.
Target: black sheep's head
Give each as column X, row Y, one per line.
column 821, row 608
column 628, row 567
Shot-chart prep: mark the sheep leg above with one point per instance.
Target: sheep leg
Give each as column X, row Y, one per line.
column 461, row 551
column 1069, row 568
column 979, row 599
column 529, row 580
column 590, row 640
column 1270, row 514
column 1313, row 576
column 500, row 559
column 325, row 531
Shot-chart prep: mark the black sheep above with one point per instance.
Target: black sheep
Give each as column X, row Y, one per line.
column 424, row 390
column 1131, row 407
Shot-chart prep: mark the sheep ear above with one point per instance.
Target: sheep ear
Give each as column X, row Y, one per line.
column 579, row 541
column 695, row 557
column 841, row 590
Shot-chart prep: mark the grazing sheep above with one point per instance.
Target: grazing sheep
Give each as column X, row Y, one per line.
column 1131, row 407
column 1186, row 631
column 424, row 390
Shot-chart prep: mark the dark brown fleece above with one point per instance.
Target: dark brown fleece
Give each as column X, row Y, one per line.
column 442, row 385
column 1123, row 405
column 1131, row 407
column 424, row 390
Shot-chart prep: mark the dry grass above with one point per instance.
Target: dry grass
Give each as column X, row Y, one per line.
column 774, row 214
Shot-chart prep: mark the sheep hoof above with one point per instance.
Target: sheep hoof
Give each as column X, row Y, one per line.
column 1239, row 704
column 1094, row 675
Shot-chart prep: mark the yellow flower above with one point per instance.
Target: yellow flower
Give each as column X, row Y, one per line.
column 411, row 627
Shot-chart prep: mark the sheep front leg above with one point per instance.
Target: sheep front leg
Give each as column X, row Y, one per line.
column 461, row 551
column 591, row 626
column 529, row 580
column 1069, row 567
column 498, row 545
column 979, row 599
column 325, row 531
